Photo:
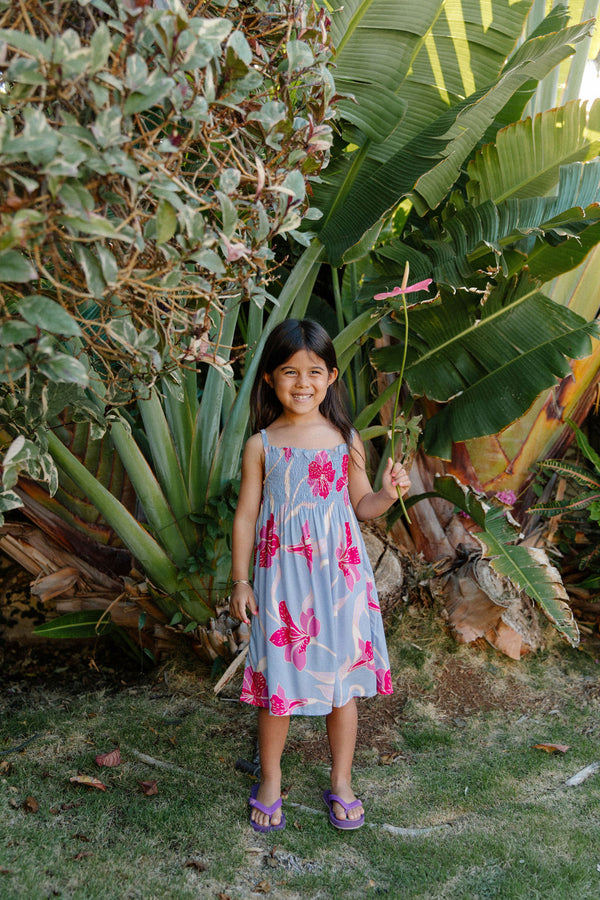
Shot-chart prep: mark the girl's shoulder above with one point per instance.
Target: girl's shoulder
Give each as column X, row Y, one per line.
column 254, row 449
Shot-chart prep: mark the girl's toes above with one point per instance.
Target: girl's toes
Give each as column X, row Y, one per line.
column 339, row 811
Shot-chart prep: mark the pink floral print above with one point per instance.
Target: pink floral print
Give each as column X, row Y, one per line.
column 281, row 705
column 295, row 639
column 349, row 559
column 318, row 639
column 366, row 657
column 321, row 475
column 304, row 547
column 254, row 688
column 384, row 681
column 268, row 544
column 342, row 482
column 372, row 601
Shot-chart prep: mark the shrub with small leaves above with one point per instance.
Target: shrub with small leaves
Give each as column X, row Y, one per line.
column 148, row 157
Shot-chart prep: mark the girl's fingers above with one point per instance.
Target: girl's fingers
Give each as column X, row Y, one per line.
column 243, row 600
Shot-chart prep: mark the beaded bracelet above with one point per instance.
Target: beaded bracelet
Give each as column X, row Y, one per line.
column 241, row 581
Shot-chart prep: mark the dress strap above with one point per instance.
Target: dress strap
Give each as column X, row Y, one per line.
column 265, row 439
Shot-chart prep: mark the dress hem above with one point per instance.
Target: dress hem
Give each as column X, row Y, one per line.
column 302, row 711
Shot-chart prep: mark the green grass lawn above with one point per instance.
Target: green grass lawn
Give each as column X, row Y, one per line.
column 448, row 763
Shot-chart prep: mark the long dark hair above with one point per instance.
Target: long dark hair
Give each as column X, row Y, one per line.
column 286, row 339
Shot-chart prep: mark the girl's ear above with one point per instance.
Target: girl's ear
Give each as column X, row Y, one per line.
column 332, row 376
column 268, row 378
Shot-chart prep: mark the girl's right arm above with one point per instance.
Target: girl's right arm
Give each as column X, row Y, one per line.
column 244, row 527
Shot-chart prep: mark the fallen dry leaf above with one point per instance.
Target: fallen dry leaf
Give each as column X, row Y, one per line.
column 263, row 887
column 31, row 805
column 149, row 788
column 552, row 748
column 4, row 871
column 194, row 864
column 222, row 896
column 88, row 781
column 113, row 758
column 83, row 854
column 80, row 837
column 5, row 767
column 14, row 803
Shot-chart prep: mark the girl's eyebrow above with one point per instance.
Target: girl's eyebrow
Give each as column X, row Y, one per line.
column 316, row 367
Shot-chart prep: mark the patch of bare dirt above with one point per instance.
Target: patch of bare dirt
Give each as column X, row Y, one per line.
column 463, row 690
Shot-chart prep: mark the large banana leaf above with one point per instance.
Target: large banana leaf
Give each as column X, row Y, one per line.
column 528, row 568
column 525, row 158
column 476, row 237
column 490, row 360
column 443, row 63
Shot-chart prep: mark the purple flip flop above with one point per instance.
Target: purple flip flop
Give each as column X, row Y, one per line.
column 267, row 810
column 343, row 824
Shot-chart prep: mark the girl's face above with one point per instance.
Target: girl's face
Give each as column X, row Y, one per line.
column 301, row 382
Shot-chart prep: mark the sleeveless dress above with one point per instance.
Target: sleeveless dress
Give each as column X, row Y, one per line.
column 318, row 638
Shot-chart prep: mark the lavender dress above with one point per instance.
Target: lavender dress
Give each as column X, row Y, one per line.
column 318, row 638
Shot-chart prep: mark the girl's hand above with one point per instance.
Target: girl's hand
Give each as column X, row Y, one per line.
column 242, row 599
column 395, row 476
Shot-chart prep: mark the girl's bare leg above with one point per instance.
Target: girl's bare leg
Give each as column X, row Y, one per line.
column 272, row 734
column 342, row 724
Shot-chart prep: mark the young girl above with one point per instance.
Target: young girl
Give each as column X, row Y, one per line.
column 317, row 639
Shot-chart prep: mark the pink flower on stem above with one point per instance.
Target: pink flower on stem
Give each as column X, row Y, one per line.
column 254, row 688
column 268, row 544
column 384, row 681
column 410, row 289
column 304, row 547
column 295, row 639
column 287, row 452
column 320, row 475
column 349, row 559
column 366, row 656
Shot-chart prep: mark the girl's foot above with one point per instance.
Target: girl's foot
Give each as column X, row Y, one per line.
column 347, row 794
column 267, row 794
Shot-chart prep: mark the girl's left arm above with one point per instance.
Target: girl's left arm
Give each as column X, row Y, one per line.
column 367, row 503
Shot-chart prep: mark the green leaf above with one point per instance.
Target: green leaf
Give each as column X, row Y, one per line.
column 491, row 360
column 48, row 315
column 447, row 64
column 208, row 259
column 15, row 268
column 528, row 568
column 100, row 44
column 97, row 226
column 64, row 368
column 526, row 158
column 583, row 477
column 585, row 446
column 166, row 222
column 299, row 55
column 269, row 114
column 91, row 269
column 13, row 365
column 16, row 332
column 88, row 623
